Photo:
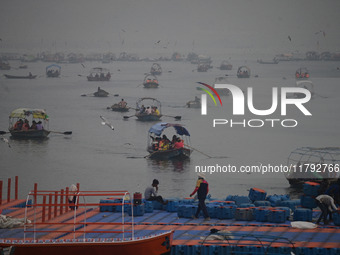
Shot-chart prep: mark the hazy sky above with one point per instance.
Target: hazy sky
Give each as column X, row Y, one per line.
column 179, row 24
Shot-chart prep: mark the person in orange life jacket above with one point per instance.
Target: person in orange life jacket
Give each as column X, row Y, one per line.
column 18, row 125
column 202, row 189
column 26, row 125
column 178, row 144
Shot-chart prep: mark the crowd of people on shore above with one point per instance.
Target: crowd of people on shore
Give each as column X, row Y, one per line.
column 163, row 143
column 23, row 125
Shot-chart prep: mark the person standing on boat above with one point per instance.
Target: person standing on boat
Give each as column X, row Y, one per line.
column 150, row 193
column 202, row 189
column 326, row 204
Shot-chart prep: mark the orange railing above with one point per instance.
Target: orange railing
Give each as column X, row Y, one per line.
column 46, row 213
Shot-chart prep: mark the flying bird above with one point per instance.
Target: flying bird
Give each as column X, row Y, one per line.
column 82, row 65
column 106, row 122
column 6, row 141
column 158, row 42
column 290, row 39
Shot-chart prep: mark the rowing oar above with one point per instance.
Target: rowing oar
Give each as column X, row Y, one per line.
column 198, row 151
column 62, row 133
column 3, row 132
column 85, row 95
column 126, row 117
column 176, row 117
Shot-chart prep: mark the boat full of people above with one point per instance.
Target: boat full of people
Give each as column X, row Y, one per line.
column 243, row 72
column 161, row 147
column 148, row 109
column 302, row 73
column 225, row 65
column 27, row 123
column 150, row 81
column 53, row 71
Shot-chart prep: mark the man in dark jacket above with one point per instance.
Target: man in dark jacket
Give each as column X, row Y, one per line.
column 202, row 189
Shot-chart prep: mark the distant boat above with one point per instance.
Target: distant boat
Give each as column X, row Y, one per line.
column 99, row 74
column 117, row 108
column 274, row 61
column 222, row 80
column 4, row 65
column 243, row 72
column 302, row 73
column 30, row 76
column 101, row 93
column 53, row 71
column 150, row 81
column 203, row 67
column 225, row 65
column 194, row 103
column 156, row 69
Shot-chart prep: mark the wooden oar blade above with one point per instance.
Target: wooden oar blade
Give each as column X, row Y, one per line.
column 3, row 132
column 68, row 133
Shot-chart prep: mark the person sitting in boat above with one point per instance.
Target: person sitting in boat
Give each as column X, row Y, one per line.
column 39, row 125
column 18, row 125
column 30, row 74
column 148, row 110
column 174, row 140
column 97, row 76
column 178, row 144
column 150, row 193
column 155, row 81
column 26, row 125
column 122, row 104
column 155, row 143
column 34, row 125
column 156, row 111
column 148, row 80
column 108, row 75
column 142, row 109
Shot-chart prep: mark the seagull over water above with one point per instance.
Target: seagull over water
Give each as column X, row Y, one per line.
column 106, row 122
column 6, row 141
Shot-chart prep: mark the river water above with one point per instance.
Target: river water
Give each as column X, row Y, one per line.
column 103, row 159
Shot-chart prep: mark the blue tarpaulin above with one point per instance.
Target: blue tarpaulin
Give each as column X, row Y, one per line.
column 158, row 128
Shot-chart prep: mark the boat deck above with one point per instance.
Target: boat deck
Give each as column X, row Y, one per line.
column 188, row 235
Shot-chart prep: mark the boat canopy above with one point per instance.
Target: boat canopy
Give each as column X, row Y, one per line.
column 99, row 69
column 243, row 68
column 158, row 128
column 25, row 112
column 53, row 65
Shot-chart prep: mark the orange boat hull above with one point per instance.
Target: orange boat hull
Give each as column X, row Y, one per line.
column 155, row 245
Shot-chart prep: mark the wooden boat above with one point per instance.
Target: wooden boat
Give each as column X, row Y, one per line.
column 243, row 72
column 302, row 74
column 313, row 164
column 99, row 74
column 53, row 71
column 194, row 103
column 145, row 105
column 30, row 76
column 156, row 69
column 119, row 237
column 178, row 154
column 222, row 80
column 203, row 67
column 4, row 65
column 31, row 115
column 117, row 108
column 101, row 93
column 150, row 81
column 274, row 61
column 225, row 65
